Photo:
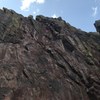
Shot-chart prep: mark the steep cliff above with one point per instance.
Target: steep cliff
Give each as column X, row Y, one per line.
column 47, row 59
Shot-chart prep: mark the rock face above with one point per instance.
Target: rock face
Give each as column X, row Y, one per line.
column 97, row 25
column 47, row 59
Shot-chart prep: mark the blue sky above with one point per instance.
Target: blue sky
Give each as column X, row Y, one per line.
column 79, row 13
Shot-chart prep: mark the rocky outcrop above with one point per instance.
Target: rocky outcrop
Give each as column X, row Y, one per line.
column 47, row 59
column 97, row 25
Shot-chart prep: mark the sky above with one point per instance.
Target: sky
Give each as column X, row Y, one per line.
column 79, row 13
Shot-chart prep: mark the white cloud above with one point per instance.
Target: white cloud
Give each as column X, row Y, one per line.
column 54, row 16
column 26, row 3
column 35, row 12
column 95, row 11
column 39, row 1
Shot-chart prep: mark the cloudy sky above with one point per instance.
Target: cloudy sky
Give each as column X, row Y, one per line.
column 79, row 13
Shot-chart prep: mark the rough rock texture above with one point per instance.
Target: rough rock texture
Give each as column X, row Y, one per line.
column 47, row 59
column 97, row 25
